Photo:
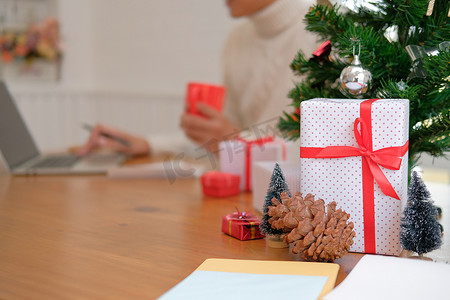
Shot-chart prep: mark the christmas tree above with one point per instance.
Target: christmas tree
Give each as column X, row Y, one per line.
column 277, row 186
column 419, row 229
column 405, row 46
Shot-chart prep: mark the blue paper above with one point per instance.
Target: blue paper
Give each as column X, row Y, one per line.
column 226, row 285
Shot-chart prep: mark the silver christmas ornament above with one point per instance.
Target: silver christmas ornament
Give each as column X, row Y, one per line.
column 355, row 80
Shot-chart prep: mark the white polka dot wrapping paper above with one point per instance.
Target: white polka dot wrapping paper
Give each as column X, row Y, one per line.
column 354, row 152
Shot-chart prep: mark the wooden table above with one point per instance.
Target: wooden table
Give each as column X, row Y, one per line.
column 92, row 237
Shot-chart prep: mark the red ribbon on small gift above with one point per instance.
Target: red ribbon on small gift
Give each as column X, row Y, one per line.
column 243, row 216
column 248, row 153
column 390, row 158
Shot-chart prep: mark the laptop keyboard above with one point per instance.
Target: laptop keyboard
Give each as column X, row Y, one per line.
column 56, row 162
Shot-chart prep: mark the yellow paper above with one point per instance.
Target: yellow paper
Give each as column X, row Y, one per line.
column 329, row 270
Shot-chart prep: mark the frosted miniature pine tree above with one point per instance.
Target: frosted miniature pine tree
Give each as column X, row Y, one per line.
column 419, row 228
column 277, row 185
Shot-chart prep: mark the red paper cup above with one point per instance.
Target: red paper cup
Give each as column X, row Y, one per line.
column 212, row 95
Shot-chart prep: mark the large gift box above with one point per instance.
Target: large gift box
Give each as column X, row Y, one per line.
column 237, row 156
column 354, row 152
column 262, row 173
column 242, row 226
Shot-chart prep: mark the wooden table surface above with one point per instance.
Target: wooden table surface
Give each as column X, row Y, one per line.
column 92, row 237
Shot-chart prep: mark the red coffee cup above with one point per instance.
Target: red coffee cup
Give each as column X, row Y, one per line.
column 212, row 95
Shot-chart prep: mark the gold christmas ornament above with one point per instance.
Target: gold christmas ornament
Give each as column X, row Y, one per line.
column 316, row 233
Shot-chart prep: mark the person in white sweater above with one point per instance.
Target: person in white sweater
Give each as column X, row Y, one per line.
column 257, row 78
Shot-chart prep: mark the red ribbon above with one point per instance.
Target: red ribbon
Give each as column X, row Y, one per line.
column 390, row 158
column 243, row 216
column 248, row 153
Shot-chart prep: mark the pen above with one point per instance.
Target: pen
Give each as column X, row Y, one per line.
column 109, row 136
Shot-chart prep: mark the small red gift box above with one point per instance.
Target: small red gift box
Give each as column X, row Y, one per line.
column 219, row 184
column 242, row 226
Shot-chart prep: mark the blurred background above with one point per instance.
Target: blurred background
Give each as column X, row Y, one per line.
column 123, row 63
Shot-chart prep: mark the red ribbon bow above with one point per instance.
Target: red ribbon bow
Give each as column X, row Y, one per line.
column 390, row 158
column 243, row 216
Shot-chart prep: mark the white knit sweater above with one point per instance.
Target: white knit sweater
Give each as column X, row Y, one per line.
column 257, row 75
column 256, row 60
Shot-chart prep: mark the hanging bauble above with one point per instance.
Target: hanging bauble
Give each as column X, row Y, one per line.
column 355, row 80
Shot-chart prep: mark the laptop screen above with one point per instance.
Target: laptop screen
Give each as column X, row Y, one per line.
column 16, row 143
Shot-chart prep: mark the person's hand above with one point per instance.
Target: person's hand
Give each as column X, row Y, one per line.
column 210, row 130
column 104, row 137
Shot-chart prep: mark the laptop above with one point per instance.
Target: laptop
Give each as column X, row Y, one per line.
column 20, row 155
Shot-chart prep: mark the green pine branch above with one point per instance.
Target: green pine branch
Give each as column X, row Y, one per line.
column 388, row 61
column 431, row 136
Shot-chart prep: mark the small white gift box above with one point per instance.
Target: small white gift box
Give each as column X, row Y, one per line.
column 237, row 156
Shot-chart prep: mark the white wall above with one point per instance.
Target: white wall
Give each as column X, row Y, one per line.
column 149, row 47
column 76, row 18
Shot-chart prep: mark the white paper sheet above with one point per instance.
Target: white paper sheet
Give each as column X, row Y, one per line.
column 171, row 170
column 382, row 277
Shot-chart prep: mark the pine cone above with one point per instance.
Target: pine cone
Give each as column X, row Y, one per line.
column 318, row 234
